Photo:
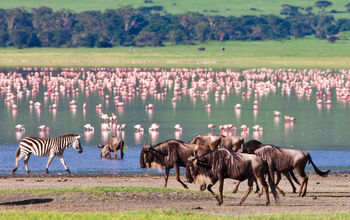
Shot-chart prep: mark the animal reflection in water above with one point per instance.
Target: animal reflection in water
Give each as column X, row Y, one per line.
column 113, row 145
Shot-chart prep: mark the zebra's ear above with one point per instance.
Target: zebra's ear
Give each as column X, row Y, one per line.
column 78, row 136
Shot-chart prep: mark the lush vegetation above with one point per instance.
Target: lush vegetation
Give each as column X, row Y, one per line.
column 152, row 26
column 158, row 214
column 296, row 53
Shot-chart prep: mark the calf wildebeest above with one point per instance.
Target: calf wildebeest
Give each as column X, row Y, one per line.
column 250, row 147
column 224, row 163
column 170, row 154
column 286, row 160
column 113, row 145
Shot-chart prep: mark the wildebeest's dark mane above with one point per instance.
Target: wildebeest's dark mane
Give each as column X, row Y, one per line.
column 157, row 145
column 171, row 140
column 268, row 153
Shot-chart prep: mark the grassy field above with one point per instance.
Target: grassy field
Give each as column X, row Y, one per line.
column 296, row 53
column 158, row 214
column 221, row 7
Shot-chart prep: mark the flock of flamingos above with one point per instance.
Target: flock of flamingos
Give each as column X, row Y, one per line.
column 117, row 86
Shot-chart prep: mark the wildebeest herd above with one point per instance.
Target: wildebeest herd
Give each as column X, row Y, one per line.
column 208, row 159
column 211, row 159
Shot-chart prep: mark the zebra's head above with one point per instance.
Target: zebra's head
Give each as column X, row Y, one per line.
column 76, row 144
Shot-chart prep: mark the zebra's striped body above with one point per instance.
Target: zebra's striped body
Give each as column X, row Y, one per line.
column 46, row 147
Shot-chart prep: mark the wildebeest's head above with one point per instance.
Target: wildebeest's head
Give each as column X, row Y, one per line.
column 77, row 145
column 250, row 146
column 105, row 152
column 197, row 170
column 150, row 157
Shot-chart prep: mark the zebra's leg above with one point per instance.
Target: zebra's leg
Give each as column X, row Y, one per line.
column 64, row 163
column 26, row 159
column 20, row 157
column 48, row 163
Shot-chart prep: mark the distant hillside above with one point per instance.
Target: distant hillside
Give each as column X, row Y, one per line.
column 207, row 7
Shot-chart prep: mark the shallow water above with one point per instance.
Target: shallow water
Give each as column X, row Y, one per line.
column 322, row 130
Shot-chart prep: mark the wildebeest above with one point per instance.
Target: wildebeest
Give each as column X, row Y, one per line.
column 213, row 141
column 169, row 154
column 113, row 145
column 231, row 142
column 224, row 163
column 210, row 141
column 286, row 160
column 250, row 147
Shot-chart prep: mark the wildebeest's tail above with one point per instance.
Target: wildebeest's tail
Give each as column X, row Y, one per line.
column 319, row 172
column 271, row 183
column 18, row 151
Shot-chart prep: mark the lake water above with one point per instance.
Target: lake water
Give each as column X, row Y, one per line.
column 179, row 96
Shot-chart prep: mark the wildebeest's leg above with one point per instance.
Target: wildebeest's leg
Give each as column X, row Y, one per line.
column 177, row 174
column 48, row 163
column 290, row 181
column 63, row 163
column 115, row 152
column 26, row 162
column 236, row 187
column 257, row 186
column 211, row 191
column 250, row 188
column 304, row 180
column 121, row 153
column 16, row 165
column 277, row 182
column 263, row 183
column 221, row 188
column 166, row 176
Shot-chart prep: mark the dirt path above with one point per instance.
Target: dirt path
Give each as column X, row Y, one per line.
column 330, row 194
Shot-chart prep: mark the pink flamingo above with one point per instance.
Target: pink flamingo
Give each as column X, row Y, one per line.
column 20, row 128
column 88, row 127
column 277, row 113
column 139, row 128
column 153, row 127
column 44, row 128
column 178, row 127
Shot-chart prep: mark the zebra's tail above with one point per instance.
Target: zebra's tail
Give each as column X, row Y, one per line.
column 18, row 151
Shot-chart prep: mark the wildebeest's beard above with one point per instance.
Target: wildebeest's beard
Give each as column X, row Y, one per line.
column 151, row 159
column 198, row 172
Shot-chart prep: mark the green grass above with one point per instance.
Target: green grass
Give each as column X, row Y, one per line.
column 158, row 214
column 295, row 53
column 220, row 7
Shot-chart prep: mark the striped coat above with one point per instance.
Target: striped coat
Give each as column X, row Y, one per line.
column 46, row 147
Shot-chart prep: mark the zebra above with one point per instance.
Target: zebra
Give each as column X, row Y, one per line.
column 46, row 147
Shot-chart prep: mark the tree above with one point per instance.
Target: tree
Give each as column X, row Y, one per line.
column 290, row 10
column 347, row 6
column 146, row 38
column 322, row 5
